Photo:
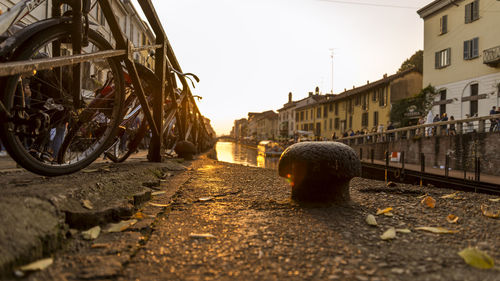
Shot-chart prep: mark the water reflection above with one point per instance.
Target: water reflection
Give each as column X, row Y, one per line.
column 243, row 154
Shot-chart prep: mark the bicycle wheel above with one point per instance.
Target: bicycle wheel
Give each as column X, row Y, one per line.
column 44, row 110
column 134, row 126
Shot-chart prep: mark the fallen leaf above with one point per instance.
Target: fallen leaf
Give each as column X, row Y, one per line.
column 205, row 199
column 158, row 204
column 452, row 195
column 379, row 212
column 121, row 226
column 389, row 214
column 38, row 265
column 201, row 235
column 391, row 184
column 422, row 196
column 389, row 234
column 488, row 213
column 451, row 218
column 139, row 215
column 99, row 245
column 89, row 170
column 370, row 220
column 494, row 199
column 403, row 230
column 438, row 230
column 156, row 193
column 87, row 204
column 476, row 258
column 429, row 202
column 92, row 233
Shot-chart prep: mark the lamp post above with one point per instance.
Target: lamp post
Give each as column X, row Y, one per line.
column 331, row 56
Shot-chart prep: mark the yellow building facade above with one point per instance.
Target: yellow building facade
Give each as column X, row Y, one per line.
column 358, row 109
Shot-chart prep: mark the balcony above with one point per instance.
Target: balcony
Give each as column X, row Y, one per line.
column 491, row 56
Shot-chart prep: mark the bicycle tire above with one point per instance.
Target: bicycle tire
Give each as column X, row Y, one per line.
column 12, row 139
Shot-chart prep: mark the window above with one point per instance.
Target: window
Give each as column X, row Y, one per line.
column 381, row 97
column 443, row 24
column 472, row 11
column 349, row 106
column 474, row 89
column 302, row 116
column 442, row 107
column 364, row 119
column 375, row 118
column 350, row 122
column 357, row 100
column 471, row 49
column 330, row 107
column 336, row 108
column 374, row 96
column 325, row 112
column 324, row 125
column 318, row 112
column 442, row 58
column 296, row 117
column 337, row 123
column 307, row 114
column 330, row 123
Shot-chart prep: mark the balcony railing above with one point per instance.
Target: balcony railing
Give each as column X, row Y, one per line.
column 491, row 56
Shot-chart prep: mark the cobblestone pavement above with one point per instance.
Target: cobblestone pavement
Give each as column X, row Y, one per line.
column 231, row 222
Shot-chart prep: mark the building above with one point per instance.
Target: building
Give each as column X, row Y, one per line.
column 365, row 107
column 286, row 118
column 240, row 129
column 306, row 113
column 462, row 55
column 262, row 125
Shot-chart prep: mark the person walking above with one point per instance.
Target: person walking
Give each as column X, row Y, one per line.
column 452, row 131
column 444, row 128
column 390, row 127
column 493, row 122
column 429, row 120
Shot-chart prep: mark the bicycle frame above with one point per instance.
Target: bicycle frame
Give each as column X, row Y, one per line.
column 17, row 12
column 165, row 60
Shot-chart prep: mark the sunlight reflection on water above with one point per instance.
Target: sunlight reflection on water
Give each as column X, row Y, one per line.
column 243, row 154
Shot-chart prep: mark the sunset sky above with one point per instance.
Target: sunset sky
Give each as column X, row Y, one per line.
column 250, row 53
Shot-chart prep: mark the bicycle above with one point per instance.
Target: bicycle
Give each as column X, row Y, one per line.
column 40, row 110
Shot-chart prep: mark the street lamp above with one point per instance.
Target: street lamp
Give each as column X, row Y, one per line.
column 331, row 56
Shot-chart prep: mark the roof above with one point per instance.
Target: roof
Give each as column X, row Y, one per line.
column 435, row 6
column 316, row 98
column 370, row 86
column 288, row 105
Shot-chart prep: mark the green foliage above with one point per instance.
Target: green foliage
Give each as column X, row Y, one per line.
column 421, row 102
column 417, row 61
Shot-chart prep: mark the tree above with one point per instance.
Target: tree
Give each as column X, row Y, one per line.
column 417, row 61
column 421, row 103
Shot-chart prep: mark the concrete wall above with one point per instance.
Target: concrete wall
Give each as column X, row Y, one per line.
column 461, row 148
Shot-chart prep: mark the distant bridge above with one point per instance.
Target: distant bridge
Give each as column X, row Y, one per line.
column 228, row 138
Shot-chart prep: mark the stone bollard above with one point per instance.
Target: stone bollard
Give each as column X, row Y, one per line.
column 319, row 172
column 185, row 149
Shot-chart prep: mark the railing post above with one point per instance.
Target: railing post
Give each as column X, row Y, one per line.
column 482, row 126
column 446, row 165
column 373, row 155
column 460, row 128
column 386, row 164
column 478, row 169
column 422, row 167
column 360, row 153
column 402, row 163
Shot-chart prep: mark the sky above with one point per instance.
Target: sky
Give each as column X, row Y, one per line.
column 249, row 54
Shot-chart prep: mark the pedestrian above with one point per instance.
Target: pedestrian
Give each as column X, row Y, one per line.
column 470, row 124
column 435, row 120
column 334, row 136
column 380, row 130
column 444, row 128
column 493, row 122
column 452, row 131
column 390, row 127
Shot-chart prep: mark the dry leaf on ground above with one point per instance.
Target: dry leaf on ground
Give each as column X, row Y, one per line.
column 488, row 213
column 494, row 199
column 449, row 196
column 379, row 212
column 438, row 230
column 121, row 226
column 38, row 265
column 205, row 199
column 451, row 218
column 422, row 196
column 156, row 193
column 389, row 234
column 388, row 214
column 476, row 258
column 403, row 230
column 158, row 204
column 201, row 235
column 370, row 219
column 429, row 202
column 87, row 204
column 92, row 233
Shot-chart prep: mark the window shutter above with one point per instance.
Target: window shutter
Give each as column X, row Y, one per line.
column 448, row 56
column 445, row 24
column 475, row 47
column 466, row 50
column 475, row 10
column 436, row 61
column 441, row 25
column 467, row 13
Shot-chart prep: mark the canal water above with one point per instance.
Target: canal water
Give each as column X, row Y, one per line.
column 244, row 154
